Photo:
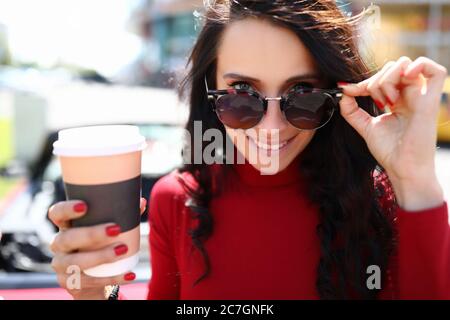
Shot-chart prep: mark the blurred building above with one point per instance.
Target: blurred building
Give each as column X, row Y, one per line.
column 400, row 27
column 408, row 27
column 168, row 31
column 5, row 55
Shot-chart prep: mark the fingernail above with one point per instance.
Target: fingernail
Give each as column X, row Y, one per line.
column 379, row 105
column 80, row 207
column 113, row 231
column 120, row 249
column 342, row 83
column 389, row 101
column 130, row 276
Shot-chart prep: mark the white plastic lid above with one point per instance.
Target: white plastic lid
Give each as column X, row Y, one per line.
column 98, row 141
column 114, row 268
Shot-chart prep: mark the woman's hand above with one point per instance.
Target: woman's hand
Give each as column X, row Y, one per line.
column 403, row 140
column 71, row 247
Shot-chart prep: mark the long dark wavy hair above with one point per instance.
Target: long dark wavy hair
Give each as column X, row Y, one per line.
column 355, row 230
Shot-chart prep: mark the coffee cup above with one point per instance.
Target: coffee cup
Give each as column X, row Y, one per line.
column 101, row 165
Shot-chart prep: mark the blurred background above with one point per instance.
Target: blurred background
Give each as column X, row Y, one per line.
column 70, row 63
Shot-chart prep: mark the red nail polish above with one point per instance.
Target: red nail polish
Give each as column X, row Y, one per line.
column 80, row 207
column 121, row 249
column 342, row 83
column 389, row 101
column 113, row 231
column 379, row 105
column 130, row 276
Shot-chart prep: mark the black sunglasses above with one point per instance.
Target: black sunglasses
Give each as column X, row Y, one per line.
column 305, row 108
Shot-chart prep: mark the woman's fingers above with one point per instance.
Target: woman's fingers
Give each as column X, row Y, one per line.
column 384, row 87
column 89, row 259
column 433, row 72
column 69, row 244
column 367, row 88
column 381, row 87
column 83, row 237
column 388, row 84
column 70, row 239
column 73, row 284
column 143, row 205
column 373, row 86
column 62, row 212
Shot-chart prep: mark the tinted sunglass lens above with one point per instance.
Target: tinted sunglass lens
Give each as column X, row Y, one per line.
column 239, row 111
column 309, row 111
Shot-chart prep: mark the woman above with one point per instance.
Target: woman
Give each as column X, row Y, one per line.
column 353, row 195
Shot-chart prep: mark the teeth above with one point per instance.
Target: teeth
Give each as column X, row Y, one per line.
column 270, row 146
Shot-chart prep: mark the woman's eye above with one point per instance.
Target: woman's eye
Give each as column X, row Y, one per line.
column 241, row 86
column 301, row 85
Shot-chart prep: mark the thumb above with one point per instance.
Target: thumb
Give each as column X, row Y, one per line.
column 358, row 118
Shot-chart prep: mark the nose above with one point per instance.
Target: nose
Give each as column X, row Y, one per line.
column 274, row 118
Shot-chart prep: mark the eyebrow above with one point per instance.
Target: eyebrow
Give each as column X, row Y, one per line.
column 306, row 76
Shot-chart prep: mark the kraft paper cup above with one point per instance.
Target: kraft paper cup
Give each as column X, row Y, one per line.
column 101, row 165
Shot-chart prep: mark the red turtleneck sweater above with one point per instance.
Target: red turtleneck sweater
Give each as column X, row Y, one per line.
column 265, row 246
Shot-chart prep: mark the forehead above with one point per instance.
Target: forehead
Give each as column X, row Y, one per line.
column 262, row 50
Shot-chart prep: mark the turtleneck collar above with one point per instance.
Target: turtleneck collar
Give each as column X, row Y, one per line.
column 253, row 177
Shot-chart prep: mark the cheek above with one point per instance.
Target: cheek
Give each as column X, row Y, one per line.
column 231, row 133
column 237, row 137
column 240, row 141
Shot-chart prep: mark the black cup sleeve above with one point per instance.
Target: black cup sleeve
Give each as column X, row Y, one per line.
column 117, row 202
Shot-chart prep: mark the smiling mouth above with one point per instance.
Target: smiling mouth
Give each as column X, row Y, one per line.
column 275, row 146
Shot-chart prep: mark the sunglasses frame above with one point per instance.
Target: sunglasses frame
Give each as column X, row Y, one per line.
column 334, row 94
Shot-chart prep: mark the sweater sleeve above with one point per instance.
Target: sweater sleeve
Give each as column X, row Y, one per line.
column 164, row 281
column 419, row 267
column 423, row 270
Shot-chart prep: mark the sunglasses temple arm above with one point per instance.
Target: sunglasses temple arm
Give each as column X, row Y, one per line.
column 206, row 85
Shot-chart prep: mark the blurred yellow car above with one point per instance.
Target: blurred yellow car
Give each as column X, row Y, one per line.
column 444, row 114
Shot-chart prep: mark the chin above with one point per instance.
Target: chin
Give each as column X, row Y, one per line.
column 271, row 167
column 272, row 158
